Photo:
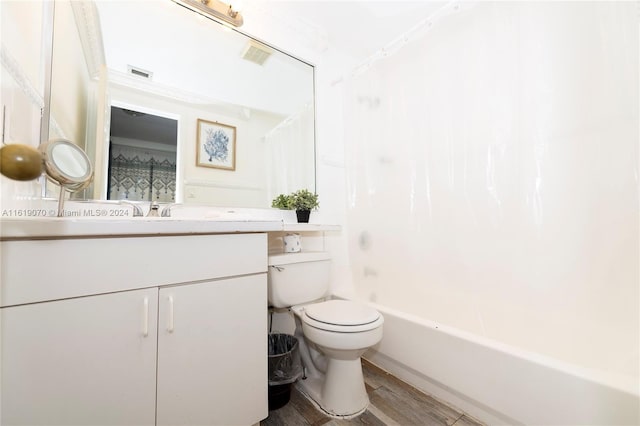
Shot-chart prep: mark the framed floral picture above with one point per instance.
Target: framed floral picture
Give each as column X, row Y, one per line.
column 216, row 145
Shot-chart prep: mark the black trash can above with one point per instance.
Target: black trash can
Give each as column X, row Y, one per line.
column 284, row 368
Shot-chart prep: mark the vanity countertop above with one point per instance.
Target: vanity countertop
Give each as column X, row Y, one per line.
column 54, row 227
column 87, row 227
column 308, row 227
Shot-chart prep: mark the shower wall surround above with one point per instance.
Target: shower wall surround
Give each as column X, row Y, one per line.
column 504, row 145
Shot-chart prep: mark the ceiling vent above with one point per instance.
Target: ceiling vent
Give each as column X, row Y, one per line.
column 256, row 52
column 139, row 72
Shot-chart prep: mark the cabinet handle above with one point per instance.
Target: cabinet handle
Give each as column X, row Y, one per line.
column 145, row 320
column 170, row 315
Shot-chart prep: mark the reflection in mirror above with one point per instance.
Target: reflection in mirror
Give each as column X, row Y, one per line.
column 70, row 161
column 271, row 104
column 142, row 156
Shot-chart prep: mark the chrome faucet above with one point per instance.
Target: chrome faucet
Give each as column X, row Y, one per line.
column 153, row 209
column 137, row 211
column 166, row 212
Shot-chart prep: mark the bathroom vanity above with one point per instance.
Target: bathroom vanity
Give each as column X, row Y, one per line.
column 135, row 329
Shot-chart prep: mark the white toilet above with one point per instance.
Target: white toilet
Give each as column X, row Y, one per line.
column 332, row 334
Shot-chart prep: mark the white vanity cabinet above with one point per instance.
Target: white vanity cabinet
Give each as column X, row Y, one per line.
column 136, row 330
column 80, row 361
column 211, row 349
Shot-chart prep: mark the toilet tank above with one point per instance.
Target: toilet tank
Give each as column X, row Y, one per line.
column 296, row 278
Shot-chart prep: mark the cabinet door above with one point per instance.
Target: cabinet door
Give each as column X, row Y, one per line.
column 84, row 361
column 212, row 352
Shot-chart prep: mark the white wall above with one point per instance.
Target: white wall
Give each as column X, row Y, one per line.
column 493, row 179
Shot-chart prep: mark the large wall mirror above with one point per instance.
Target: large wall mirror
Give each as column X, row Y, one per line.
column 144, row 86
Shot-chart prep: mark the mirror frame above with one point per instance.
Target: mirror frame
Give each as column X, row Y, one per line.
column 48, row 29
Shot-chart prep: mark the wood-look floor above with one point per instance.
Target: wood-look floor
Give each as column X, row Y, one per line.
column 393, row 402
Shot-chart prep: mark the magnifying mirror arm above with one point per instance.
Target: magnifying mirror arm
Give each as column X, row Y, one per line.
column 61, row 202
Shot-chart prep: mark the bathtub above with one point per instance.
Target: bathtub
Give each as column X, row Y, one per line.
column 497, row 383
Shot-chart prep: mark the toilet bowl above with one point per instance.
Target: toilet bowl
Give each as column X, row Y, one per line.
column 335, row 380
column 333, row 334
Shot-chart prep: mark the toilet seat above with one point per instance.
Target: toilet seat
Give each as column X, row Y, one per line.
column 342, row 316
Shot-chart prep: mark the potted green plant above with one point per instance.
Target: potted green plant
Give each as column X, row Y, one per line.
column 303, row 202
column 283, row 202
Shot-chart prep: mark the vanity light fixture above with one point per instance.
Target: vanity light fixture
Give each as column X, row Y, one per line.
column 214, row 8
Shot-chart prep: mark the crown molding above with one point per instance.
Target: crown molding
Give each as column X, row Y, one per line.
column 15, row 70
column 158, row 89
column 90, row 32
column 129, row 81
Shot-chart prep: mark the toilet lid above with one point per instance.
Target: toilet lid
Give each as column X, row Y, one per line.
column 342, row 312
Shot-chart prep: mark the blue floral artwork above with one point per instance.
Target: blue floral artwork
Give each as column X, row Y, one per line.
column 216, row 145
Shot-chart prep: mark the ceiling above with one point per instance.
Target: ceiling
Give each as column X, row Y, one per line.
column 143, row 127
column 358, row 28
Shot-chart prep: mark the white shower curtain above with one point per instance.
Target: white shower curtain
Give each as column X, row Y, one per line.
column 493, row 178
column 288, row 155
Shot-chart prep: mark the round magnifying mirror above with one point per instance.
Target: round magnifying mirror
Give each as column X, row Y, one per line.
column 66, row 164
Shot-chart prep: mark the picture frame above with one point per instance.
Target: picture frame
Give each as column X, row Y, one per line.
column 216, row 145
